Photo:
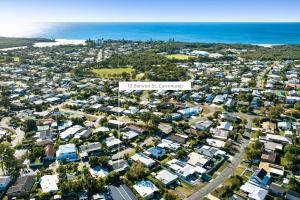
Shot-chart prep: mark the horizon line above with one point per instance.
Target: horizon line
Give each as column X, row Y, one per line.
column 146, row 22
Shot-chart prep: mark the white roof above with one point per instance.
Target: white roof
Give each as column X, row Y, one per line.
column 70, row 132
column 49, row 183
column 215, row 142
column 65, row 149
column 112, row 141
column 225, row 125
column 166, row 176
column 143, row 159
column 145, row 188
column 98, row 171
column 255, row 192
column 129, row 135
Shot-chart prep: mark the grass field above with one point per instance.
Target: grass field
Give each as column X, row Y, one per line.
column 179, row 56
column 238, row 171
column 187, row 190
column 106, row 71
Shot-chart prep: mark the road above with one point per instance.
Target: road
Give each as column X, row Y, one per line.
column 20, row 134
column 260, row 76
column 215, row 183
column 99, row 57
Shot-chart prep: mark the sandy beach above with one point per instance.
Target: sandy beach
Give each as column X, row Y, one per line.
column 59, row 42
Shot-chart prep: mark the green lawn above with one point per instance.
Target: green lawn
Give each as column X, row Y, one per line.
column 187, row 190
column 91, row 118
column 179, row 56
column 218, row 192
column 281, row 161
column 106, row 71
column 253, row 135
column 238, row 171
column 224, row 164
column 228, row 182
column 248, row 173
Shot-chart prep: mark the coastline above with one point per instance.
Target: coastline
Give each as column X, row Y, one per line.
column 49, row 44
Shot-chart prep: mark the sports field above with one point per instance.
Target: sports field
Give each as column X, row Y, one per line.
column 111, row 71
column 179, row 56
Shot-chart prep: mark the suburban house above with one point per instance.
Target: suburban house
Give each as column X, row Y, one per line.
column 292, row 195
column 260, row 177
column 254, row 192
column 49, row 152
column 178, row 138
column 49, row 183
column 145, row 189
column 188, row 112
column 284, row 125
column 210, row 151
column 130, row 135
column 268, row 156
column 4, row 182
column 142, row 158
column 202, row 125
column 166, row 177
column 228, row 117
column 98, row 171
column 182, row 169
column 155, row 152
column 90, row 149
column 22, row 186
column 120, row 192
column 66, row 152
column 225, row 126
column 119, row 165
column 276, row 189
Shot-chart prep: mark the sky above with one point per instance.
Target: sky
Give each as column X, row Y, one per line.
column 149, row 11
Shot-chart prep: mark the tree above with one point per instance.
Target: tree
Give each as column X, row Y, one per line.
column 138, row 149
column 102, row 121
column 275, row 112
column 93, row 161
column 155, row 120
column 38, row 151
column 169, row 196
column 112, row 177
column 75, row 167
column 137, row 171
column 297, row 106
column 181, row 154
column 29, row 125
column 5, row 101
column 145, row 117
column 61, row 169
column 103, row 161
column 38, row 108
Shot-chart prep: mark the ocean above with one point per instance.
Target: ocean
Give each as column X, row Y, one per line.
column 249, row 33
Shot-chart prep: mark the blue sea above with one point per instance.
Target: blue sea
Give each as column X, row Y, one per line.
column 250, row 33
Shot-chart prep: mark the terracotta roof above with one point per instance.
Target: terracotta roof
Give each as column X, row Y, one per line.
column 49, row 150
column 137, row 128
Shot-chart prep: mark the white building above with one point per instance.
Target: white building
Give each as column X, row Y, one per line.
column 49, row 183
column 145, row 189
column 66, row 152
column 142, row 158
